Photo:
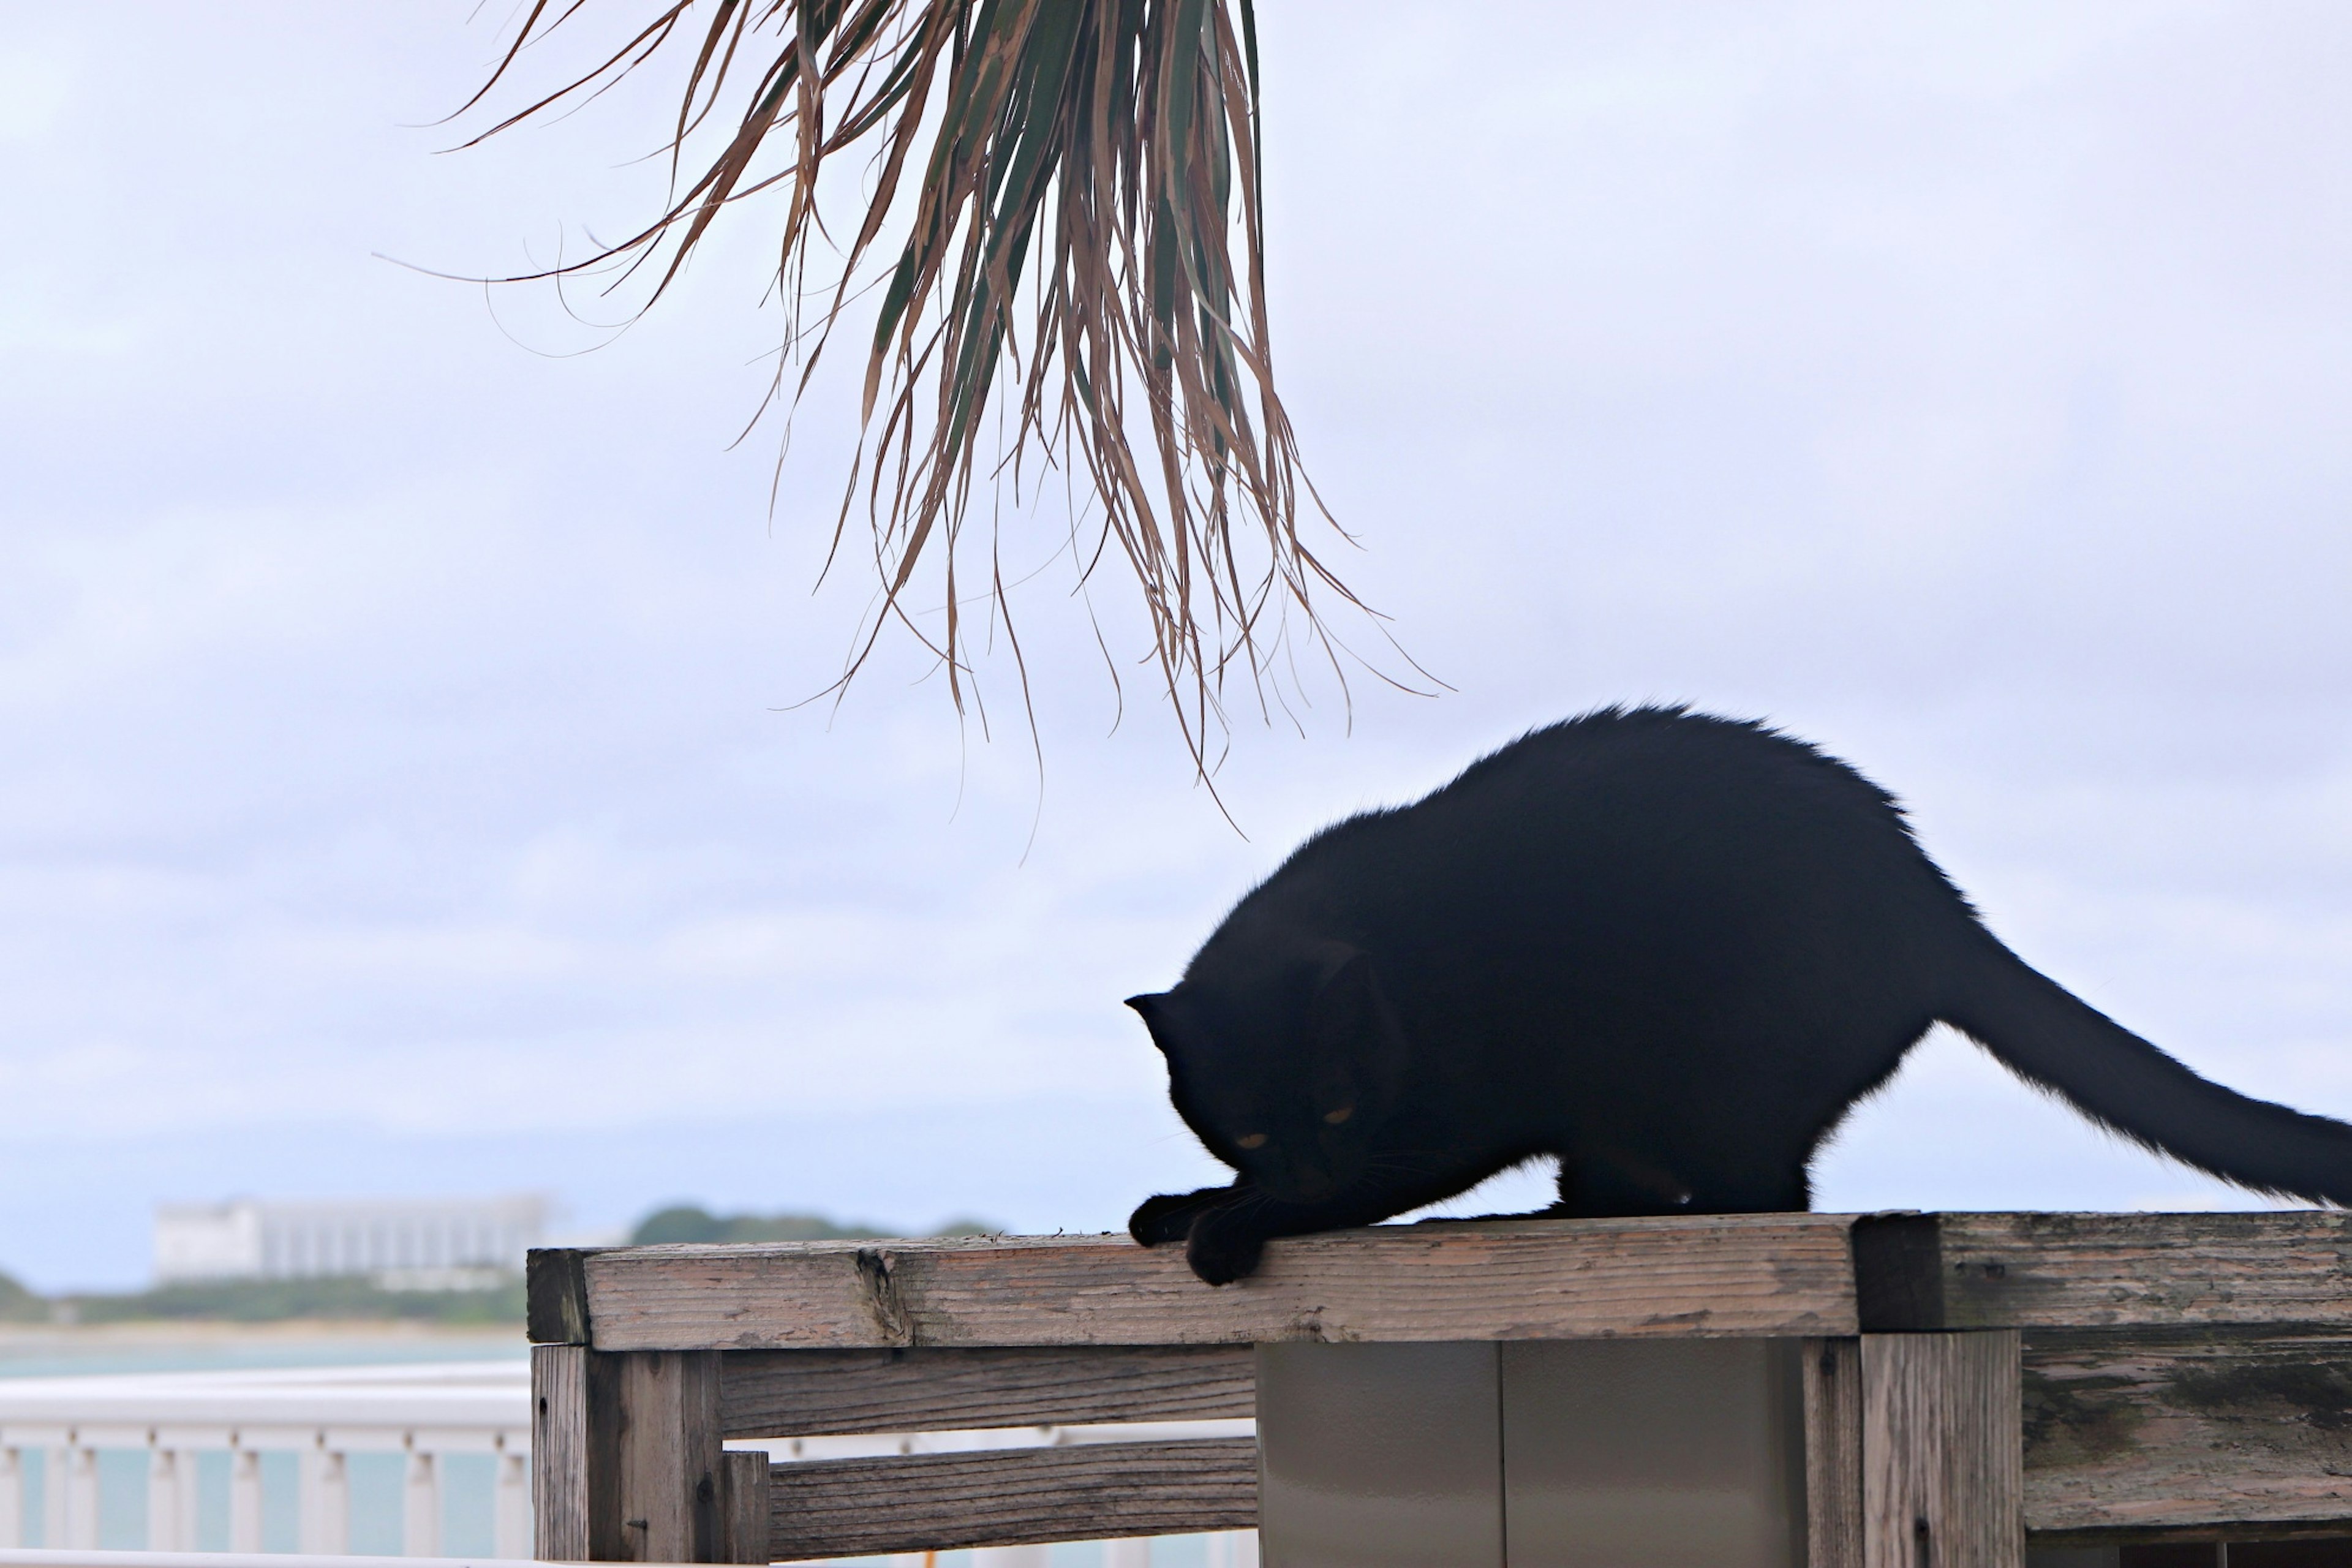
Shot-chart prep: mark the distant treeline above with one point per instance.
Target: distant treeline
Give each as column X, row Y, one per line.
column 338, row 1298
column 353, row 1299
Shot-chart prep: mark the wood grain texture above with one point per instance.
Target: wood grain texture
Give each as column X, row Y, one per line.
column 2282, row 1269
column 559, row 1452
column 655, row 1459
column 1716, row 1275
column 1009, row 1497
column 1898, row 1272
column 1740, row 1274
column 1942, row 1474
column 2188, row 1431
column 555, row 1296
column 743, row 1508
column 801, row 1393
column 1832, row 1401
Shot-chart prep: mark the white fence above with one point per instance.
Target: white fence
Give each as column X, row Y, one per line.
column 424, row 1413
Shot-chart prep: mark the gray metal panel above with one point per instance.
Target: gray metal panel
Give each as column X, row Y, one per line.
column 1652, row 1454
column 1379, row 1455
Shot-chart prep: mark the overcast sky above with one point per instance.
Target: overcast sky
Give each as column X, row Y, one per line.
column 398, row 791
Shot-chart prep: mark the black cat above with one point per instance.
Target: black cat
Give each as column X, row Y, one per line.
column 1670, row 949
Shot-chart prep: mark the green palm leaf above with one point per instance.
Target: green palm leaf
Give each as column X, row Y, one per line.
column 1083, row 256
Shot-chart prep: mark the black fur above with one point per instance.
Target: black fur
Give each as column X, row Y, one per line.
column 1669, row 949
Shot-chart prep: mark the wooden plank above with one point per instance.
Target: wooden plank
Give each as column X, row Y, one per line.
column 799, row 1393
column 2279, row 1268
column 1898, row 1273
column 655, row 1460
column 1942, row 1479
column 555, row 1296
column 559, row 1452
column 1712, row 1275
column 744, row 1508
column 1833, row 1402
column 1011, row 1497
column 2137, row 1435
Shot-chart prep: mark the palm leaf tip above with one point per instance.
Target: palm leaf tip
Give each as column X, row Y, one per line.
column 1083, row 257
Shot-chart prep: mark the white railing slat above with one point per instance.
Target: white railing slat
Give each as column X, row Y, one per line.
column 244, row 1499
column 322, row 1416
column 324, row 1503
column 421, row 1506
column 12, row 1498
column 510, row 1510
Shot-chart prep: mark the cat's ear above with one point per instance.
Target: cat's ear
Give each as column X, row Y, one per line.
column 1151, row 1007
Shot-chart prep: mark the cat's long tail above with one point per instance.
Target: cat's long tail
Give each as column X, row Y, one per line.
column 2054, row 1039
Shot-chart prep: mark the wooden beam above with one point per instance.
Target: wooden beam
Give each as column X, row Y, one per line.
column 796, row 1393
column 1716, row 1275
column 1833, row 1400
column 1009, row 1497
column 559, row 1452
column 2279, row 1268
column 2142, row 1434
column 1898, row 1273
column 1942, row 1451
column 555, row 1296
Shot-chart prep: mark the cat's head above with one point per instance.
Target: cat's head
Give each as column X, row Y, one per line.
column 1287, row 1074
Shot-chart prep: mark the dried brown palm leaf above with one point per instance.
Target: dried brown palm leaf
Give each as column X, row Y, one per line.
column 1092, row 174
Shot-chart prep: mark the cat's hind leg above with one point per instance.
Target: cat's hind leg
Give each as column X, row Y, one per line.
column 1762, row 1186
column 1712, row 1176
column 1613, row 1183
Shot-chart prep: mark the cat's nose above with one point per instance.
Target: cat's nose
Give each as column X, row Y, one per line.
column 1311, row 1184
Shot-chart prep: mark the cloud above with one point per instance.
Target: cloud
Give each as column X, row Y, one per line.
column 396, row 725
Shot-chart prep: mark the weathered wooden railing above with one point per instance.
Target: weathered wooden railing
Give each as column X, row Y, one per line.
column 1967, row 1382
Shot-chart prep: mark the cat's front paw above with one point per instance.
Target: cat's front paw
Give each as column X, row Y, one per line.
column 1223, row 1247
column 1168, row 1217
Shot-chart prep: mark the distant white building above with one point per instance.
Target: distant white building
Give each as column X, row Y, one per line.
column 424, row 1243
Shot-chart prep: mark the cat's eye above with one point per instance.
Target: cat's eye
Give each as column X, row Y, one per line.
column 1337, row 1117
column 1252, row 1140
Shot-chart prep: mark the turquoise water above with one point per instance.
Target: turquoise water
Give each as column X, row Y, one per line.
column 466, row 1479
column 466, row 1483
column 69, row 1356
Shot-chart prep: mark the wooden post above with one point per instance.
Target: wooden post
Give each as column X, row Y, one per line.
column 559, row 1452
column 743, row 1496
column 555, row 1295
column 1943, row 1451
column 627, row 1463
column 1832, row 1399
column 654, row 1457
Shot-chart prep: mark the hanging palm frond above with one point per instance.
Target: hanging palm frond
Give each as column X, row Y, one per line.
column 1092, row 175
